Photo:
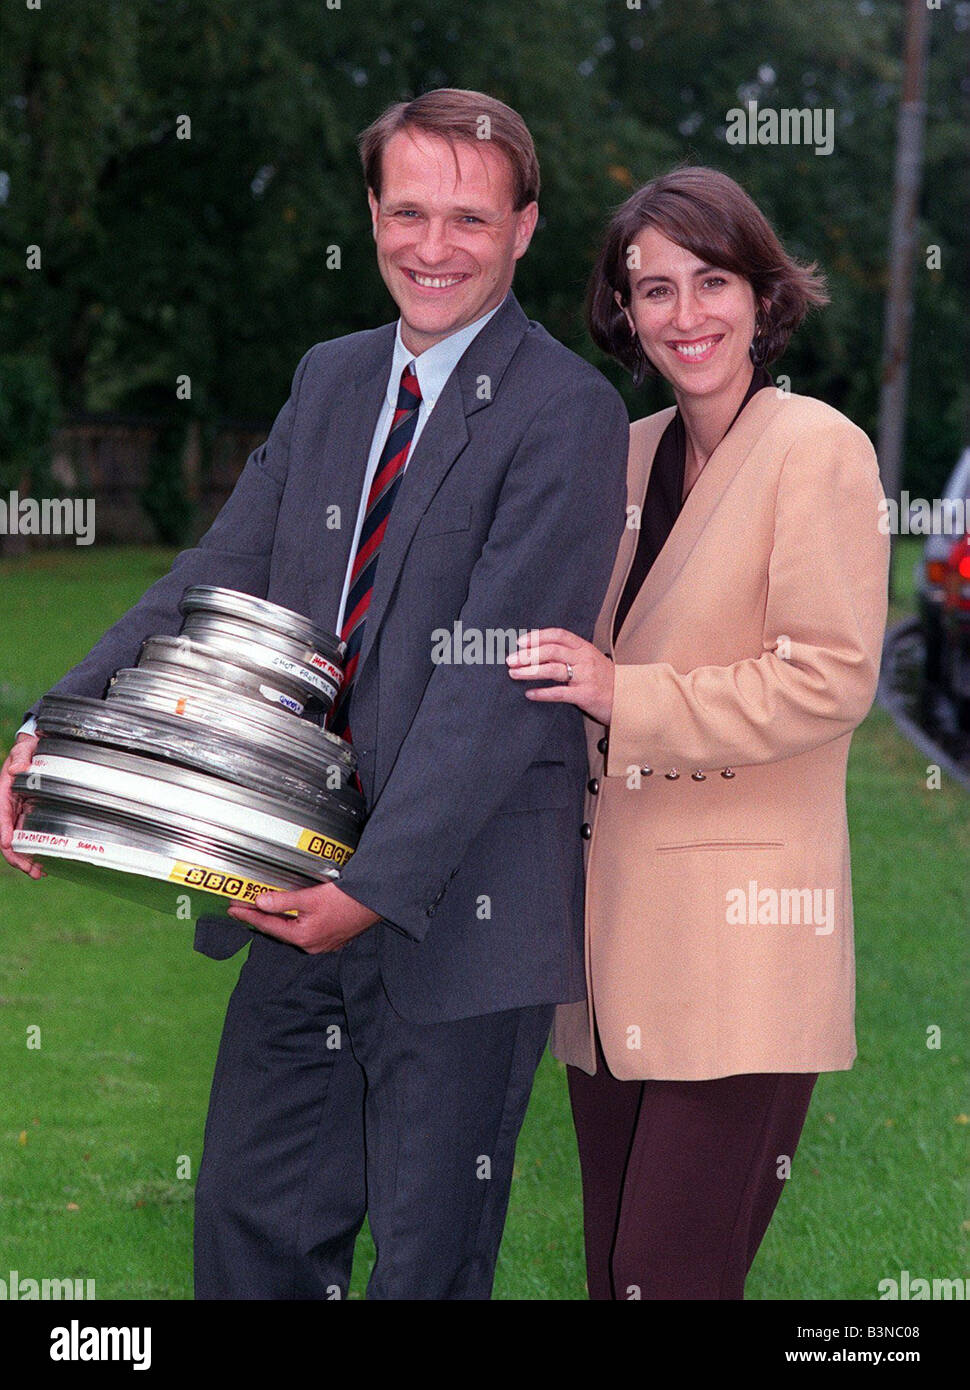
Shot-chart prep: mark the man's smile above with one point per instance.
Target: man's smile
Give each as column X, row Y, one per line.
column 434, row 282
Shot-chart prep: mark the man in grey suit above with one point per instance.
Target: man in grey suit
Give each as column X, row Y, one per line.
column 380, row 1047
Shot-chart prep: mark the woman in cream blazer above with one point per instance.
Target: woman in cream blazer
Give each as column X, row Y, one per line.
column 720, row 709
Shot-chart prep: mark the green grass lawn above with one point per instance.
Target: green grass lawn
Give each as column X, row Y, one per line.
column 101, row 1125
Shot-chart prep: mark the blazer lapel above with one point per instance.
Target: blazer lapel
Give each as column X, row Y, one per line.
column 442, row 440
column 642, row 453
column 346, row 434
column 701, row 501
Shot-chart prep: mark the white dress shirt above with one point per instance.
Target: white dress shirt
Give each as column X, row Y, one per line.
column 432, row 367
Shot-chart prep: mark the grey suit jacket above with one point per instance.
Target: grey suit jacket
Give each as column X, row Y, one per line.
column 509, row 516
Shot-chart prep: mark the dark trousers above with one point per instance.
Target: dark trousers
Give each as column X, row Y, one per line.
column 681, row 1178
column 327, row 1105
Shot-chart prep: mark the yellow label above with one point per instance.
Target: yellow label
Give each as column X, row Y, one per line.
column 215, row 881
column 323, row 847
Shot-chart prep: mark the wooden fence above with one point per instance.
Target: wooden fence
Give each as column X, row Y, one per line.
column 108, row 458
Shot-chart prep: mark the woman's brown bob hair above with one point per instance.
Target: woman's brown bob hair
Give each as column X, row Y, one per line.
column 711, row 216
column 456, row 114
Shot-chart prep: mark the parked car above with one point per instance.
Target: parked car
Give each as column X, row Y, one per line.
column 931, row 577
column 955, row 654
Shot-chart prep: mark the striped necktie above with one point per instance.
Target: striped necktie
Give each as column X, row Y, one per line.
column 380, row 500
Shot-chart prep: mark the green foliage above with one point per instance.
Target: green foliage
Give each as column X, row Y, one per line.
column 28, row 415
column 208, row 256
column 164, row 495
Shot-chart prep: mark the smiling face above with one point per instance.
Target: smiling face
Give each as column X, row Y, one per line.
column 695, row 322
column 447, row 234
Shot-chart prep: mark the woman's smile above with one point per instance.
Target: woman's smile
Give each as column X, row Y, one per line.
column 694, row 350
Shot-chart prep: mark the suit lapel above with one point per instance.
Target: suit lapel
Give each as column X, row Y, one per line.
column 696, row 512
column 442, row 440
column 345, row 433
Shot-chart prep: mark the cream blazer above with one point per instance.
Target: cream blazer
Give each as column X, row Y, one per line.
column 718, row 900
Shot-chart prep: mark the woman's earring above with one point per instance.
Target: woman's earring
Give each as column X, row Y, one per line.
column 640, row 359
column 757, row 350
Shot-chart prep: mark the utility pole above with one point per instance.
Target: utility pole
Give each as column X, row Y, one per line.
column 894, row 377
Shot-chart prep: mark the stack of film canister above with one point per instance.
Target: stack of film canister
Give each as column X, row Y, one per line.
column 205, row 768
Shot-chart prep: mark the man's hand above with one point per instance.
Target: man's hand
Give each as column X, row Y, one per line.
column 327, row 918
column 18, row 760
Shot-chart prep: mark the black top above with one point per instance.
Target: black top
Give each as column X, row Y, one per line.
column 662, row 504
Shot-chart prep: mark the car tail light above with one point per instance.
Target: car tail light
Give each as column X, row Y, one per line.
column 957, row 579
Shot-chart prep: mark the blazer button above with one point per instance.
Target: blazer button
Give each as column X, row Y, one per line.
column 728, row 772
column 430, row 911
column 602, row 745
column 646, row 772
column 586, row 830
column 672, row 775
column 593, row 785
column 698, row 776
